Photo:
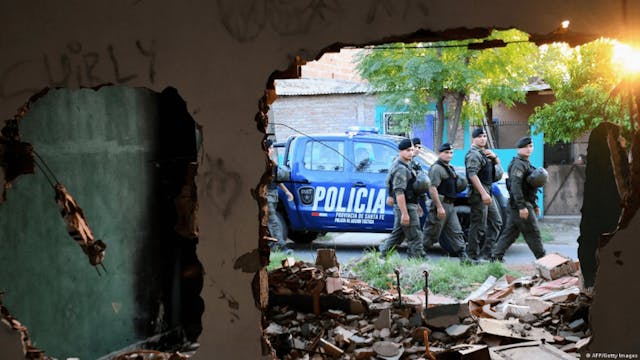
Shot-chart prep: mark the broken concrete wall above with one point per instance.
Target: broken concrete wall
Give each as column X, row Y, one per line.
column 219, row 55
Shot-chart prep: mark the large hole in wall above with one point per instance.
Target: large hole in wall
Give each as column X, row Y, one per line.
column 565, row 196
column 129, row 158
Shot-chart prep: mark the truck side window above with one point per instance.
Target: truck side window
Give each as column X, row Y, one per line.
column 324, row 155
column 373, row 157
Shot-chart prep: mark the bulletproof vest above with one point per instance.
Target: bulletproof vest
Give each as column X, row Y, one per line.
column 528, row 191
column 448, row 186
column 486, row 172
column 409, row 194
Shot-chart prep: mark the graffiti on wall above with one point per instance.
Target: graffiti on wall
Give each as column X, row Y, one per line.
column 222, row 185
column 78, row 65
column 245, row 21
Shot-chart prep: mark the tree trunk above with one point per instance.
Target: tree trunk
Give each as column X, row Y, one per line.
column 455, row 118
column 439, row 124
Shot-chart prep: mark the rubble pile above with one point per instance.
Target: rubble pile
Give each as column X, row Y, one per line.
column 313, row 313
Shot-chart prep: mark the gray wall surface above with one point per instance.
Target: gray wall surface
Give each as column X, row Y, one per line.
column 564, row 190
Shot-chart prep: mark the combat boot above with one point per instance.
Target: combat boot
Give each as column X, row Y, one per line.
column 465, row 259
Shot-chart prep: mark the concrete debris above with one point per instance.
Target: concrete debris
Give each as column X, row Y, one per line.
column 329, row 316
column 553, row 266
column 529, row 350
column 458, row 330
column 150, row 354
column 466, row 352
column 562, row 283
column 326, row 258
column 388, row 349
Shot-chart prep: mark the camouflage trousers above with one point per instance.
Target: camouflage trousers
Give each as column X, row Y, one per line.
column 410, row 232
column 515, row 225
column 483, row 219
column 275, row 229
column 453, row 239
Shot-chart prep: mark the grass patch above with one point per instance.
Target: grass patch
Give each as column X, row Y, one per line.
column 446, row 276
column 275, row 259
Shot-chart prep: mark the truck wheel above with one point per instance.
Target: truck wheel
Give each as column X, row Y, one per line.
column 283, row 225
column 303, row 237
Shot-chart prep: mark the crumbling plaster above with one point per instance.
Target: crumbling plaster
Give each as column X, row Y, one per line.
column 219, row 55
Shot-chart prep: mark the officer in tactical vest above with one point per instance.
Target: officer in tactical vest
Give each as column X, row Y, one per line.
column 406, row 209
column 421, row 186
column 272, row 196
column 442, row 213
column 522, row 215
column 483, row 169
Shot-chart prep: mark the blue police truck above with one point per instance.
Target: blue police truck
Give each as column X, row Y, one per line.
column 338, row 182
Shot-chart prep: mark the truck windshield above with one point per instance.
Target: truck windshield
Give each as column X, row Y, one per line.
column 427, row 156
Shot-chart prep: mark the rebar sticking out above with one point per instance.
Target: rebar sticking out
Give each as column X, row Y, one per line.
column 426, row 289
column 399, row 290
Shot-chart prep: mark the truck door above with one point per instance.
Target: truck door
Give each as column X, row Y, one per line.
column 318, row 178
column 372, row 159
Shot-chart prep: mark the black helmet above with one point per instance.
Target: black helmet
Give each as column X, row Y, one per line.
column 421, row 184
column 461, row 183
column 538, row 177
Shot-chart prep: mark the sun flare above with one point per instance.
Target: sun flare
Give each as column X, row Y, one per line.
column 627, row 58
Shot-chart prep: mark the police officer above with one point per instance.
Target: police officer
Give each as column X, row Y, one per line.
column 417, row 145
column 273, row 223
column 442, row 213
column 523, row 209
column 483, row 169
column 406, row 209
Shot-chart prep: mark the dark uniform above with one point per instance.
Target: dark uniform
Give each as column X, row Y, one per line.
column 443, row 177
column 400, row 180
column 483, row 218
column 522, row 195
column 273, row 223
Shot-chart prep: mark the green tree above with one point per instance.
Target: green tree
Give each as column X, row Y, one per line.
column 411, row 77
column 582, row 79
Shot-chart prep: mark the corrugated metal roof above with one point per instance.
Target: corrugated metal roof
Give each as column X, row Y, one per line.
column 537, row 84
column 301, row 87
column 310, row 87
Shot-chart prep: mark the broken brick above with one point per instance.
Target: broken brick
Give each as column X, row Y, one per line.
column 554, row 266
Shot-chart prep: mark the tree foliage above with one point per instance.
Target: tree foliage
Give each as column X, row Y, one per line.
column 582, row 79
column 411, row 77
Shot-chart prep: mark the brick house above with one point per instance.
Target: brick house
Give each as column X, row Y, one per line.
column 320, row 106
